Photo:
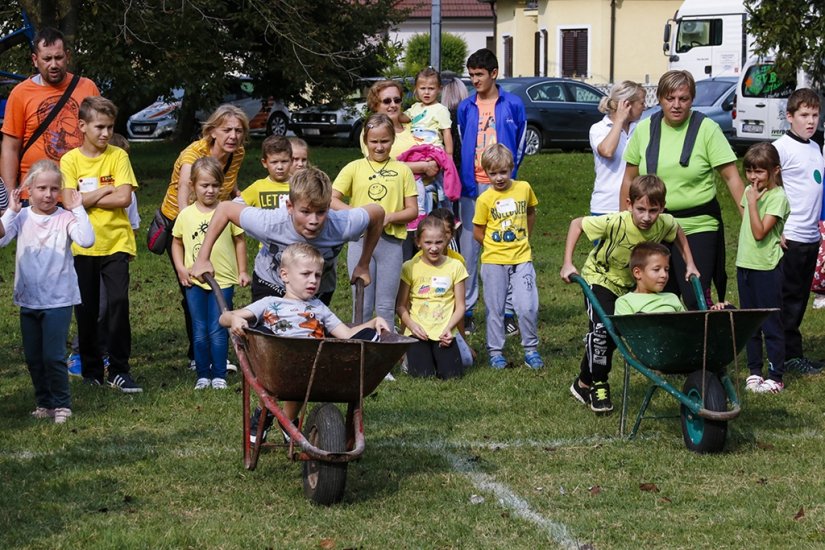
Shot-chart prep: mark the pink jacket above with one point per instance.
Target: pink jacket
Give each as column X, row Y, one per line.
column 452, row 183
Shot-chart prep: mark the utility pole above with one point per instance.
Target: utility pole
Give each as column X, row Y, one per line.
column 435, row 35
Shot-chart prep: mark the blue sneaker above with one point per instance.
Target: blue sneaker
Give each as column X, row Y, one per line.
column 75, row 367
column 533, row 360
column 498, row 362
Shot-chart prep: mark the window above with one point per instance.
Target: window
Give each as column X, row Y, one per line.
column 762, row 81
column 508, row 56
column 574, row 52
column 547, row 91
column 698, row 32
column 583, row 94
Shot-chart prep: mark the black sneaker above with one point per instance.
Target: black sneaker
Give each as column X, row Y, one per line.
column 580, row 393
column 253, row 425
column 510, row 325
column 89, row 381
column 803, row 365
column 469, row 325
column 124, row 383
column 600, row 398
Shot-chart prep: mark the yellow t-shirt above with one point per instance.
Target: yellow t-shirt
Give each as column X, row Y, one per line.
column 190, row 227
column 113, row 232
column 432, row 296
column 265, row 193
column 506, row 240
column 387, row 184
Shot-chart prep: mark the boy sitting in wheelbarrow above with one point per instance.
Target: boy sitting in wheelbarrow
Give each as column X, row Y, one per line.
column 298, row 313
column 607, row 272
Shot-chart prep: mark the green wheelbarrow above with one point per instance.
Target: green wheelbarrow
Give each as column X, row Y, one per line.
column 699, row 344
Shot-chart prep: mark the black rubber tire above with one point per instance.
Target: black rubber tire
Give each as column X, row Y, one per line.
column 324, row 482
column 532, row 140
column 355, row 134
column 276, row 124
column 700, row 434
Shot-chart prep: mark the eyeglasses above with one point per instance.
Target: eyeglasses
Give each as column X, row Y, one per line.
column 388, row 100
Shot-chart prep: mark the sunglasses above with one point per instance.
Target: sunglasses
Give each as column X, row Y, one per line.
column 388, row 100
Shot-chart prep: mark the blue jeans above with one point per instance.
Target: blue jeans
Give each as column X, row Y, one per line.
column 210, row 339
column 44, row 343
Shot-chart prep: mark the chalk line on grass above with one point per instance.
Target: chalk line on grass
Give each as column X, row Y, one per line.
column 558, row 532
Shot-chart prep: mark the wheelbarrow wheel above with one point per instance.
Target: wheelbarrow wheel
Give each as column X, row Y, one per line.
column 324, row 482
column 702, row 435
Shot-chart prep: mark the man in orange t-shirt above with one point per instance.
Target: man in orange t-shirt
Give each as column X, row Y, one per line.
column 31, row 101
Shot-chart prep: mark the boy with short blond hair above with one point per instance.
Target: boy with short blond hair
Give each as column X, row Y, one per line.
column 503, row 222
column 608, row 275
column 103, row 175
column 802, row 173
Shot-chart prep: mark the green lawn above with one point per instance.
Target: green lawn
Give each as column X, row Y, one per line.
column 494, row 460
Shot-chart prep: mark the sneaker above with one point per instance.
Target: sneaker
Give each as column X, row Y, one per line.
column 124, row 383
column 510, row 325
column 193, row 365
column 581, row 394
column 89, row 381
column 219, row 384
column 498, row 362
column 42, row 412
column 230, row 367
column 770, row 386
column 389, row 377
column 62, row 414
column 753, row 382
column 600, row 398
column 106, row 361
column 469, row 325
column 253, row 425
column 533, row 360
column 202, row 383
column 74, row 364
column 819, row 301
column 803, row 365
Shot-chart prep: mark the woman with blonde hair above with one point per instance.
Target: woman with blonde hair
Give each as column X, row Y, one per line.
column 608, row 139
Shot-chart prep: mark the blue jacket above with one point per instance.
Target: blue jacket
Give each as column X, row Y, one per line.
column 511, row 125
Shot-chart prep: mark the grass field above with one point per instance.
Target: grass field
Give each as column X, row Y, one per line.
column 494, row 460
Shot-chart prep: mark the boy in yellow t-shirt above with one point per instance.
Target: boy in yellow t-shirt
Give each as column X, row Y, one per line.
column 502, row 224
column 103, row 175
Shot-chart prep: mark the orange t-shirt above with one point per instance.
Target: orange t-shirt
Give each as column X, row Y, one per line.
column 486, row 135
column 29, row 103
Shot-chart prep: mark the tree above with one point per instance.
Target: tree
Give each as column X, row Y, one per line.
column 793, row 30
column 297, row 50
column 453, row 53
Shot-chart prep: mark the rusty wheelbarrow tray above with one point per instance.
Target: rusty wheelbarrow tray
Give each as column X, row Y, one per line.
column 307, row 370
column 700, row 344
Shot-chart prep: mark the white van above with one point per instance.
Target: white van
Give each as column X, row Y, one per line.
column 761, row 97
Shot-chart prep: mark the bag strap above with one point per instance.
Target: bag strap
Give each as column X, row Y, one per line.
column 52, row 114
column 652, row 151
column 228, row 164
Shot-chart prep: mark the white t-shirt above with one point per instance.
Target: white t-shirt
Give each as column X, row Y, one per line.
column 802, row 172
column 609, row 172
column 275, row 230
column 295, row 318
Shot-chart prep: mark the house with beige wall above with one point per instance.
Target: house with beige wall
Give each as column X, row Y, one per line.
column 599, row 41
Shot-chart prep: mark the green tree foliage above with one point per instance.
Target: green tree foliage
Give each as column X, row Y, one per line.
column 453, row 53
column 793, row 30
column 296, row 50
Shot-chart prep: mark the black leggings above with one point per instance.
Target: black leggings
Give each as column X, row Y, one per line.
column 428, row 358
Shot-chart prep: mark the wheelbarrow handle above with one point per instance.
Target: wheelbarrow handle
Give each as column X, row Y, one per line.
column 216, row 290
column 359, row 301
column 700, row 294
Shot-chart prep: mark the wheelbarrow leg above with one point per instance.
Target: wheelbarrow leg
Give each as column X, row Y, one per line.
column 247, row 458
column 350, row 423
column 625, row 391
column 645, row 402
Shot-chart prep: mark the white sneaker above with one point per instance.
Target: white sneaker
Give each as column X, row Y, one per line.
column 61, row 415
column 193, row 365
column 753, row 382
column 202, row 383
column 770, row 386
column 819, row 301
column 389, row 377
column 219, row 384
column 230, row 367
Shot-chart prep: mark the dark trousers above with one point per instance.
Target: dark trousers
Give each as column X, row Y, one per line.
column 798, row 266
column 44, row 344
column 758, row 290
column 113, row 271
column 428, row 358
column 703, row 250
column 598, row 345
column 187, row 317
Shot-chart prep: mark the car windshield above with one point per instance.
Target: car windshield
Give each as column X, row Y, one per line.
column 709, row 91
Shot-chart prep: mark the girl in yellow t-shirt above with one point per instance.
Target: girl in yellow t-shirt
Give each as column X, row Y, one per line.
column 211, row 344
column 430, row 303
column 379, row 179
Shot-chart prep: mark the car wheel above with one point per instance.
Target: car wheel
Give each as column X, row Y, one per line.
column 276, row 124
column 532, row 141
column 355, row 135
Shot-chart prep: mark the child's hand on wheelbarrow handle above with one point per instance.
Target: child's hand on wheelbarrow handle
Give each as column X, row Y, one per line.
column 200, row 267
column 567, row 270
column 360, row 272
